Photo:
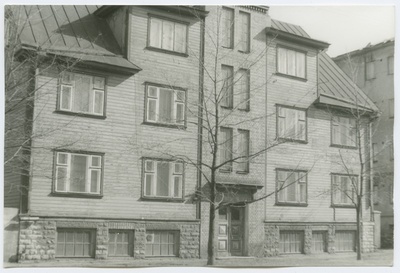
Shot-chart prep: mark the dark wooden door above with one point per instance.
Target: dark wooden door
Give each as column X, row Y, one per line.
column 230, row 231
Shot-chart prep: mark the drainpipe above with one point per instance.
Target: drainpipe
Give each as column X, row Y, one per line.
column 200, row 126
column 371, row 174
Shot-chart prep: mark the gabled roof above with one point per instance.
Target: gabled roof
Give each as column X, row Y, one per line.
column 69, row 30
column 334, row 86
column 368, row 48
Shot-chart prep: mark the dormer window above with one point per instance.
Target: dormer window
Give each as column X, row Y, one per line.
column 167, row 35
column 291, row 62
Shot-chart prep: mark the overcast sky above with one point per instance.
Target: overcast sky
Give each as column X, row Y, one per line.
column 346, row 28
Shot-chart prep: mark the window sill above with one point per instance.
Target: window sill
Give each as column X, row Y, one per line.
column 244, row 110
column 342, row 206
column 174, row 126
column 162, row 199
column 291, row 204
column 242, row 172
column 292, row 140
column 343, row 146
column 291, row 77
column 167, row 51
column 77, row 195
column 244, row 52
column 225, row 170
column 227, row 47
column 227, row 107
column 79, row 114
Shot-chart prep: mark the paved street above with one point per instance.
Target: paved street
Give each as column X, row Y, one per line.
column 379, row 258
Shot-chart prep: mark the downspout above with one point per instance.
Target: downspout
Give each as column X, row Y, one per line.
column 371, row 174
column 200, row 126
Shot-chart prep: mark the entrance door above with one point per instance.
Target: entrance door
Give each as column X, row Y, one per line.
column 230, row 231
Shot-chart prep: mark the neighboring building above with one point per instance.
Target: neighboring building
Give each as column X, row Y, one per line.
column 117, row 97
column 372, row 69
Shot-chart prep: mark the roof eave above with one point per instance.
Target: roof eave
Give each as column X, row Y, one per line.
column 326, row 100
column 296, row 38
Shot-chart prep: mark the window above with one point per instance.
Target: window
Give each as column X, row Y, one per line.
column 291, row 241
column 227, row 86
column 376, row 194
column 291, row 62
column 78, row 173
column 319, row 242
column 370, row 70
column 120, row 243
column 167, row 35
column 391, row 108
column 81, row 93
column 163, row 179
column 162, row 243
column 226, row 147
column 291, row 123
column 390, row 65
column 243, row 84
column 165, row 105
column 345, row 241
column 375, row 152
column 75, row 243
column 243, row 148
column 244, row 22
column 343, row 189
column 344, row 131
column 291, row 187
column 227, row 27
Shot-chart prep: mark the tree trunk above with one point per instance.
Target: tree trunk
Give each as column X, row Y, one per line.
column 211, row 236
column 358, row 230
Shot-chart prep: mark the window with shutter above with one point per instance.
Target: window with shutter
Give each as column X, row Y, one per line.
column 226, row 148
column 226, row 97
column 227, row 27
column 243, row 92
column 244, row 21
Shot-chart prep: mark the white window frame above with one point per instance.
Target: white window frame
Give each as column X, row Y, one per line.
column 173, row 174
column 346, row 126
column 179, row 100
column 89, row 169
column 300, row 180
column 284, row 68
column 282, row 122
column 339, row 194
column 175, row 24
column 227, row 91
column 67, row 81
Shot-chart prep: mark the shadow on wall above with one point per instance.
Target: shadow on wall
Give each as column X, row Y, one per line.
column 11, row 231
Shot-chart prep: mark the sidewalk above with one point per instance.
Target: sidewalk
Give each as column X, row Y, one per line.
column 378, row 258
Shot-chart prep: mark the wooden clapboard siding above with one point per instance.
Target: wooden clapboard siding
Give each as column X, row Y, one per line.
column 122, row 136
column 316, row 155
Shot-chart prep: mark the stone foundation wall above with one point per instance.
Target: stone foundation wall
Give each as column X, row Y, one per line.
column 272, row 231
column 38, row 237
column 367, row 237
